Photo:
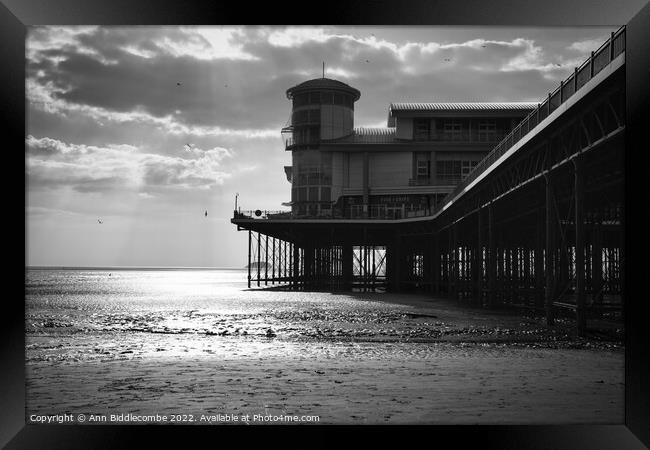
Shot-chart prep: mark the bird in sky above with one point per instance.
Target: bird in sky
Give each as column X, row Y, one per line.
column 206, row 213
column 483, row 46
column 178, row 83
column 188, row 147
column 99, row 221
column 559, row 65
column 367, row 61
column 447, row 59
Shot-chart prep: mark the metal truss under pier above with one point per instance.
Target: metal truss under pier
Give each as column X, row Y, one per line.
column 329, row 265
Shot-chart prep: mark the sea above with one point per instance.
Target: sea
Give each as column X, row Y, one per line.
column 170, row 341
column 76, row 309
column 82, row 315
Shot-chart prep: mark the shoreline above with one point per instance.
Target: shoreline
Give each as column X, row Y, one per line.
column 350, row 358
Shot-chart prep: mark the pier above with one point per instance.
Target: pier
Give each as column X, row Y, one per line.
column 537, row 224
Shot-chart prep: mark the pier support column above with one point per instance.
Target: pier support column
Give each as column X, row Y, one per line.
column 564, row 264
column 436, row 262
column 394, row 263
column 273, row 258
column 539, row 261
column 259, row 257
column 266, row 261
column 280, row 247
column 427, row 245
column 525, row 280
column 477, row 262
column 580, row 246
column 597, row 263
column 507, row 278
column 296, row 265
column 549, row 265
column 308, row 255
column 249, row 258
column 347, row 265
column 453, row 256
column 492, row 260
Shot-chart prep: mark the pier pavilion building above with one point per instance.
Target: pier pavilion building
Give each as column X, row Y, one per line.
column 402, row 170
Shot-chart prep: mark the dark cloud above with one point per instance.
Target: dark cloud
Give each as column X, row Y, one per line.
column 210, row 94
column 243, row 94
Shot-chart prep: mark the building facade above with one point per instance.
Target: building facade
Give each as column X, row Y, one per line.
column 401, row 170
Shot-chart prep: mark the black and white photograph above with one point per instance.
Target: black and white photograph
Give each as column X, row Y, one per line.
column 325, row 225
column 332, row 225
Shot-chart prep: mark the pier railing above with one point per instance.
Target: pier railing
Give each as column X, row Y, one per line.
column 598, row 60
column 373, row 212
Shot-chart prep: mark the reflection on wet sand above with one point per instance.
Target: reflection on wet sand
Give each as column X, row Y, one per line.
column 180, row 342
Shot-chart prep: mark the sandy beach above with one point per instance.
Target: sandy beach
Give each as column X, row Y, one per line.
column 421, row 383
column 373, row 359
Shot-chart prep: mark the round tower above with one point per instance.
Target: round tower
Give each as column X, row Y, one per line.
column 323, row 109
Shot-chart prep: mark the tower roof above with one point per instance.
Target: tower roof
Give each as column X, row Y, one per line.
column 323, row 84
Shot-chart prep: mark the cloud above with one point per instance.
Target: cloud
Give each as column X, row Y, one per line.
column 217, row 43
column 230, row 82
column 164, row 74
column 41, row 211
column 50, row 99
column 586, row 46
column 41, row 40
column 516, row 54
column 339, row 72
column 53, row 163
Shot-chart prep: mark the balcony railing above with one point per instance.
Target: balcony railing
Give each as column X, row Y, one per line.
column 380, row 138
column 389, row 138
column 598, row 60
column 293, row 142
column 373, row 212
column 262, row 214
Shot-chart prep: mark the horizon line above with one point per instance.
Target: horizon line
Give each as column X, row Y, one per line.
column 132, row 267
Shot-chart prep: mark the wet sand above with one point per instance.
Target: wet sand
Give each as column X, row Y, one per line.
column 385, row 359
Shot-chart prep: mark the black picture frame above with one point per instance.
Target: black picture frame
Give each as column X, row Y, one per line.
column 15, row 15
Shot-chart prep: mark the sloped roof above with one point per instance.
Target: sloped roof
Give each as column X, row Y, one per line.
column 364, row 135
column 462, row 106
column 367, row 132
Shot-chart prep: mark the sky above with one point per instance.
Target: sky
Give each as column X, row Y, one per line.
column 145, row 128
